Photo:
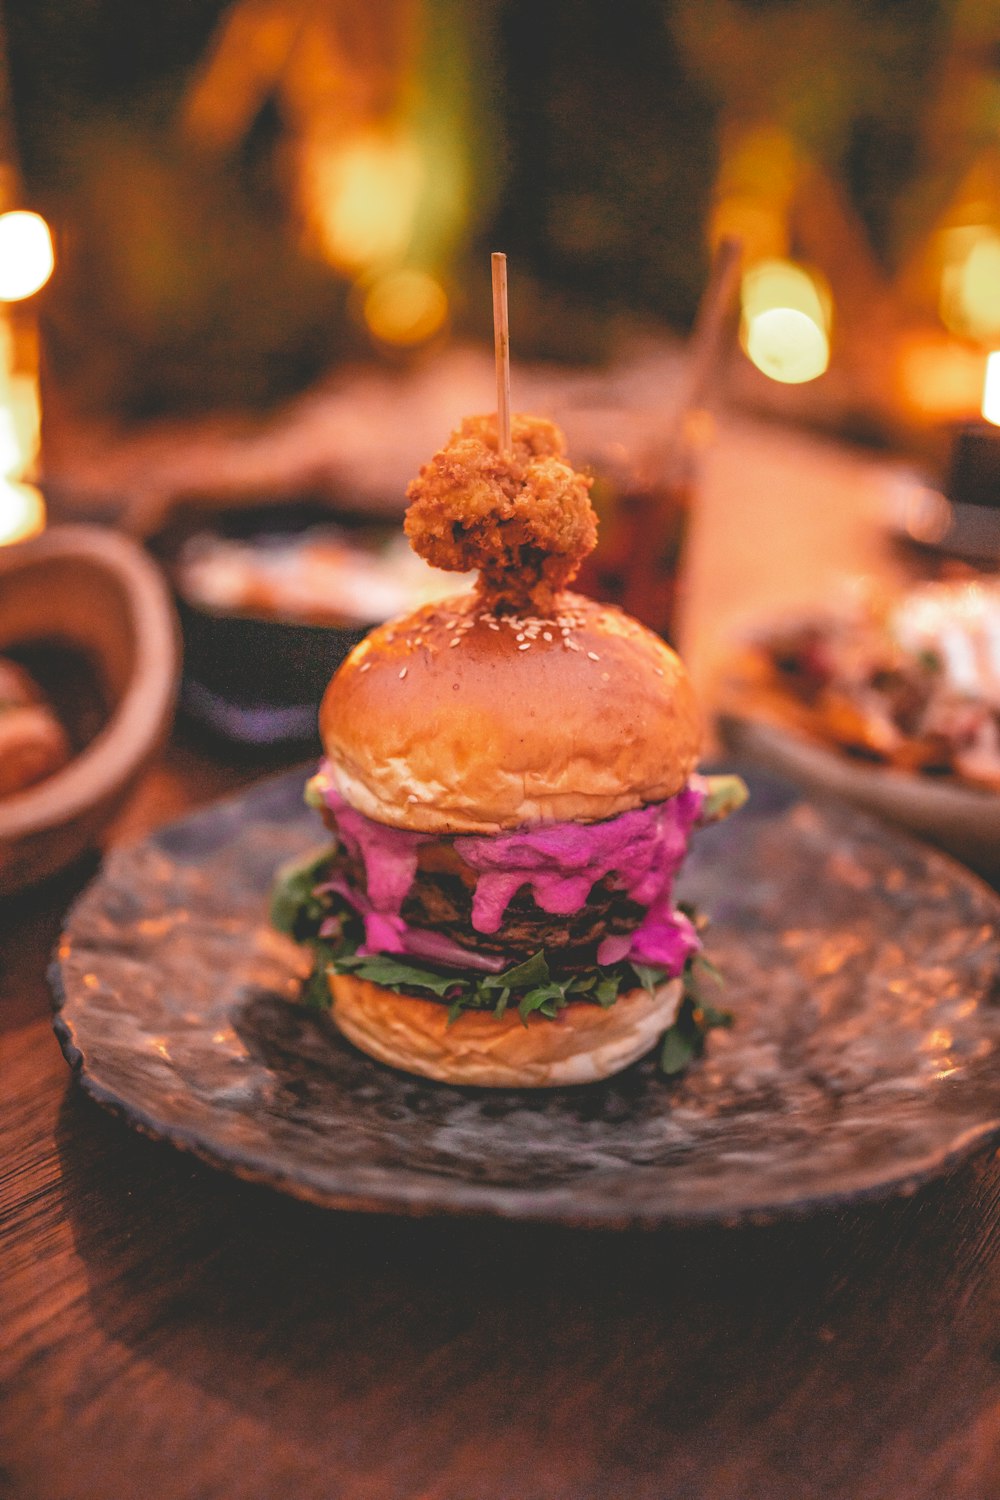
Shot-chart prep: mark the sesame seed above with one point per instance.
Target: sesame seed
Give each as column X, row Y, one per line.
column 525, row 646
column 402, row 672
column 570, row 645
column 658, row 671
column 364, row 666
column 546, row 635
column 456, row 640
column 593, row 656
column 605, row 676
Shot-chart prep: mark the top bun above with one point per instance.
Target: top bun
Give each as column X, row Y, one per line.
column 460, row 720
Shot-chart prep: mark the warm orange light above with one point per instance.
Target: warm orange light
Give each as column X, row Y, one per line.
column 970, row 282
column 364, row 198
column 757, row 177
column 757, row 223
column 781, row 283
column 405, row 308
column 22, row 511
column 11, row 451
column 939, row 378
column 991, row 389
column 26, row 255
column 19, row 405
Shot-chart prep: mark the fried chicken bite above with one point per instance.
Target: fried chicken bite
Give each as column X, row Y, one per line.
column 523, row 518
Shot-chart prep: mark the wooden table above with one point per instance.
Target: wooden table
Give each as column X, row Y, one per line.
column 167, row 1333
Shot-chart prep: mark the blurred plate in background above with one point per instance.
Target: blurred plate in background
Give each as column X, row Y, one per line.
column 271, row 598
column 962, row 820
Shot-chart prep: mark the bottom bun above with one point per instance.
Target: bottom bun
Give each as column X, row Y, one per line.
column 583, row 1043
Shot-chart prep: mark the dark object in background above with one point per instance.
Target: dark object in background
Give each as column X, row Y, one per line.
column 957, row 521
column 974, row 474
column 70, row 683
column 973, row 492
column 959, row 524
column 249, row 678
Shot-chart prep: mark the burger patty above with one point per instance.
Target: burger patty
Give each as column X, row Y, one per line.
column 440, row 900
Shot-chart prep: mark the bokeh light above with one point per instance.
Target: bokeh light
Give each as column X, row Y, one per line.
column 405, row 308
column 365, row 198
column 787, row 345
column 970, row 282
column 26, row 255
column 22, row 511
column 991, row 389
column 785, row 321
column 781, row 283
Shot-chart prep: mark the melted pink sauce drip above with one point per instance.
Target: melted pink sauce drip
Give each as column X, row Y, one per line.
column 560, row 862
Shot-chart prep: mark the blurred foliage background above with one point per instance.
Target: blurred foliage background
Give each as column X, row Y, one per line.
column 246, row 192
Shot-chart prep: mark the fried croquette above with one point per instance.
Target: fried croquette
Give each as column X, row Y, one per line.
column 523, row 518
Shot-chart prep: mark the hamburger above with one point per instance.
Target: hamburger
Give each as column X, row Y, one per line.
column 509, row 779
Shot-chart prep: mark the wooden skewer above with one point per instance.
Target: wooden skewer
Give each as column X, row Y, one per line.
column 501, row 349
column 706, row 341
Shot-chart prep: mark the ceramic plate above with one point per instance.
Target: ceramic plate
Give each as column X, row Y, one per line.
column 963, row 820
column 862, row 970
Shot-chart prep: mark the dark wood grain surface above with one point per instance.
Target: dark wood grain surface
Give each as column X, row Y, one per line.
column 171, row 1334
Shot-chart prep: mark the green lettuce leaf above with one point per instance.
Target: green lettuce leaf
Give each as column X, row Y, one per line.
column 724, row 795
column 393, row 973
column 685, row 1039
column 326, row 922
column 296, row 910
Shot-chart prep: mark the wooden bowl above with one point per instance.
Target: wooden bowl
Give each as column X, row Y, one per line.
column 94, row 611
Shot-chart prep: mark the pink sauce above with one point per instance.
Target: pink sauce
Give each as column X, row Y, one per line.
column 560, row 863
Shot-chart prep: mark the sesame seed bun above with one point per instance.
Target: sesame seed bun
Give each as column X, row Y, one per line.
column 455, row 720
column 582, row 1044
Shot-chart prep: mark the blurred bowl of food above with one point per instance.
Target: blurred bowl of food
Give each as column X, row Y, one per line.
column 271, row 598
column 89, row 661
column 892, row 704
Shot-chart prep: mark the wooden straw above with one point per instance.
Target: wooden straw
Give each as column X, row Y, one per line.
column 706, row 342
column 501, row 349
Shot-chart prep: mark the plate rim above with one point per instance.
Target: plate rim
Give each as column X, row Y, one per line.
column 466, row 1199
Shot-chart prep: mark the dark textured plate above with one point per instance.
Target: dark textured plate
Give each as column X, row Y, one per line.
column 863, row 970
